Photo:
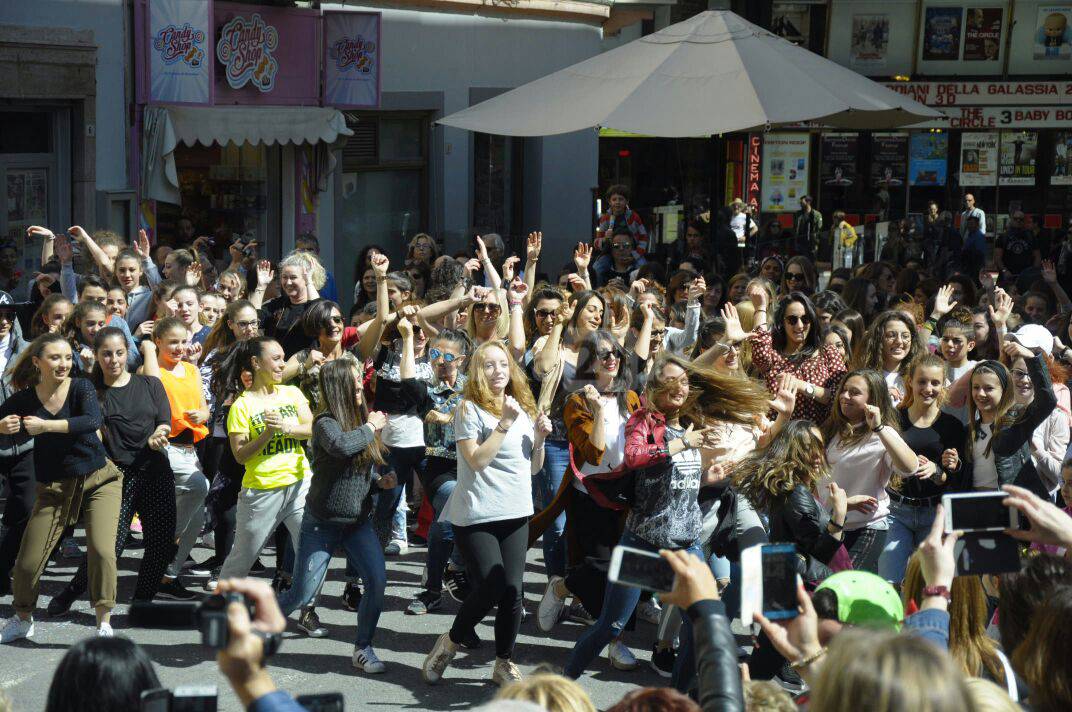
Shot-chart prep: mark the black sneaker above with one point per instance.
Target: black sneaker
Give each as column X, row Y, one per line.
column 790, row 680
column 61, row 603
column 351, row 596
column 457, row 584
column 195, row 569
column 662, row 661
column 281, row 583
column 309, row 623
column 173, row 590
column 425, row 602
column 471, row 641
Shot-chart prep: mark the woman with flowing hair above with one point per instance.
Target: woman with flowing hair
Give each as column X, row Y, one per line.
column 662, row 451
column 74, row 475
column 975, row 653
column 595, row 416
column 864, row 449
column 889, row 347
column 500, row 438
column 338, row 508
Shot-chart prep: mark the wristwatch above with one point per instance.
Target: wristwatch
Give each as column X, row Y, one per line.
column 937, row 591
column 810, row 390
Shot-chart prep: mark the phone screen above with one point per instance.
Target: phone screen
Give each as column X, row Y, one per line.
column 779, row 581
column 327, row 702
column 979, row 513
column 641, row 569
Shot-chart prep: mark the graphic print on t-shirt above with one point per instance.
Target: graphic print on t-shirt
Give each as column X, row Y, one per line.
column 280, row 443
column 666, row 514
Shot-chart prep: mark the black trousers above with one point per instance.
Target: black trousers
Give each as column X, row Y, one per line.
column 595, row 531
column 223, row 497
column 494, row 555
column 148, row 490
column 18, row 470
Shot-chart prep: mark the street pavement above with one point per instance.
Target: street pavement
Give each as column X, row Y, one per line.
column 308, row 666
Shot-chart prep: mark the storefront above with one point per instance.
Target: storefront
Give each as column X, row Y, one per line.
column 239, row 117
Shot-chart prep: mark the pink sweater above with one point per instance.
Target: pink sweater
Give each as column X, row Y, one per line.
column 864, row 468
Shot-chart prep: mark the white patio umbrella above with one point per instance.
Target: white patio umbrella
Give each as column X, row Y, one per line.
column 713, row 73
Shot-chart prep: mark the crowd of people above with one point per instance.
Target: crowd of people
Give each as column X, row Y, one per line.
column 692, row 399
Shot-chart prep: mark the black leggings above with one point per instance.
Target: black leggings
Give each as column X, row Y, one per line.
column 149, row 490
column 18, row 470
column 494, row 555
column 223, row 498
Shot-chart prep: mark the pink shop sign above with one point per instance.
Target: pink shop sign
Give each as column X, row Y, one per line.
column 263, row 55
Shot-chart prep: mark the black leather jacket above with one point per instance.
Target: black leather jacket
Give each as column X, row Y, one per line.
column 718, row 676
column 800, row 519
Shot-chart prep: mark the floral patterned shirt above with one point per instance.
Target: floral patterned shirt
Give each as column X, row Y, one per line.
column 823, row 369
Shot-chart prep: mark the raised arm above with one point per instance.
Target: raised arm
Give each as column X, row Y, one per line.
column 407, row 369
column 642, row 347
column 532, row 257
column 104, row 262
column 467, row 426
column 265, row 274
column 370, row 339
column 582, row 257
column 546, row 357
column 494, row 281
column 516, row 298
column 904, row 459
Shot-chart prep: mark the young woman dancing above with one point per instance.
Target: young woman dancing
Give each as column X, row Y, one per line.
column 500, row 439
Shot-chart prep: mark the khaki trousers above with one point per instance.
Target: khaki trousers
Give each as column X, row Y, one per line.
column 58, row 506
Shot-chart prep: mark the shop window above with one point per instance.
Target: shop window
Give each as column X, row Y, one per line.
column 384, row 195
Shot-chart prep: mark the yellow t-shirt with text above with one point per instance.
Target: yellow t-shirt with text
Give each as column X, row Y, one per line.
column 282, row 461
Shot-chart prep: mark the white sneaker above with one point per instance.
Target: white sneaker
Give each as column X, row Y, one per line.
column 104, row 630
column 365, row 660
column 208, row 539
column 620, row 656
column 396, row 547
column 649, row 611
column 505, row 672
column 551, row 605
column 16, row 629
column 439, row 659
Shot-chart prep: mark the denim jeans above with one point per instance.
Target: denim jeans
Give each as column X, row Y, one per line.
column 440, row 537
column 618, row 606
column 909, row 526
column 864, row 547
column 315, row 546
column 555, row 462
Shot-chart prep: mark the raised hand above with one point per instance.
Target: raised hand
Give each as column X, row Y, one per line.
column 1049, row 272
column 564, row 312
column 193, row 352
column 471, row 265
column 734, row 331
column 141, row 245
column 481, row 249
column 77, row 233
column 518, row 291
column 942, row 303
column 265, row 273
column 576, row 283
column 533, row 246
column 1014, row 350
column 509, row 265
column 1002, row 307
column 194, row 273
column 582, row 256
column 936, row 559
column 511, row 409
column 379, row 264
column 697, row 288
column 42, row 232
column 693, row 580
column 759, row 296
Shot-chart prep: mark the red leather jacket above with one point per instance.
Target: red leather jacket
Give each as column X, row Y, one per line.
column 645, row 440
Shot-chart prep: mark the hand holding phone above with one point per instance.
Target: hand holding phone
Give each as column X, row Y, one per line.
column 640, row 569
column 978, row 512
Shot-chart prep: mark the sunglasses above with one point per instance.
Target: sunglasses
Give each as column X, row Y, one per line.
column 622, row 246
column 544, row 313
column 434, row 354
column 793, row 319
column 335, row 319
column 794, row 276
column 658, row 334
column 484, row 306
column 1022, row 375
column 607, row 354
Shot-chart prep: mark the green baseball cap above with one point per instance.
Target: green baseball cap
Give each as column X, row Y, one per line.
column 865, row 599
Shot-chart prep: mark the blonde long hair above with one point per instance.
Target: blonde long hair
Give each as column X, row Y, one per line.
column 837, row 426
column 924, row 360
column 712, row 394
column 789, row 460
column 551, row 692
column 478, row 392
column 971, row 648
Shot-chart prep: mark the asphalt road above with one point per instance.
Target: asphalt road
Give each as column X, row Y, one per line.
column 305, row 665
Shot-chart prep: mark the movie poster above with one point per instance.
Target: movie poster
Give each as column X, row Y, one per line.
column 785, row 171
column 1062, row 158
column 941, row 33
column 1019, row 151
column 1053, row 32
column 839, row 152
column 927, row 158
column 979, row 159
column 870, row 39
column 982, row 33
column 889, row 167
column 792, row 21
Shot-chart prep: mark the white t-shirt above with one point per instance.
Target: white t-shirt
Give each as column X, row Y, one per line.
column 614, row 436
column 737, row 223
column 503, row 488
column 894, row 380
column 984, row 472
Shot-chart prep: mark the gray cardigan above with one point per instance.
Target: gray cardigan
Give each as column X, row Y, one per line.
column 340, row 490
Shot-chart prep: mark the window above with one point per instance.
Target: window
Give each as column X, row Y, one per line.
column 497, row 185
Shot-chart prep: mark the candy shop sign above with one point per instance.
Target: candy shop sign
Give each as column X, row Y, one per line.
column 183, row 44
column 245, row 49
column 354, row 54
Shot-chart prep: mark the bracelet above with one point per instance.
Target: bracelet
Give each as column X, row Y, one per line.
column 879, row 428
column 839, row 527
column 808, row 660
column 498, row 428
